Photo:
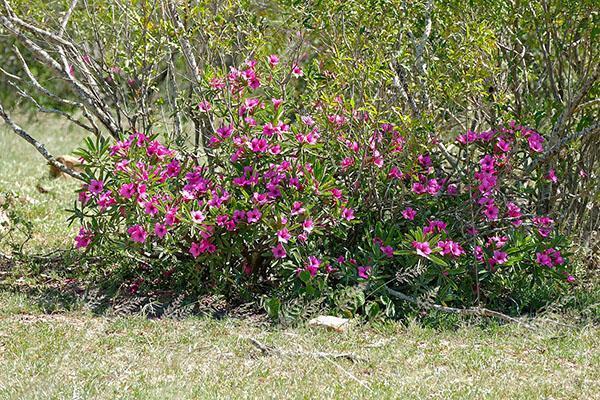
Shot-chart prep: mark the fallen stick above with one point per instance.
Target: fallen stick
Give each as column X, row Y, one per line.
column 266, row 350
column 478, row 311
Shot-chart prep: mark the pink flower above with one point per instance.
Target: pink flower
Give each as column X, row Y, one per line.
column 137, row 233
column 313, row 265
column 96, row 186
column 552, row 176
column 253, row 215
column 336, row 193
column 435, row 226
column 308, row 225
column 387, row 250
column 277, row 102
column 259, row 145
column 503, row 145
column 150, row 208
column 543, row 259
column 127, row 190
column 297, row 71
column 279, row 251
column 570, row 279
column 544, row 225
column 198, row 217
column 297, row 208
column 307, row 120
column 160, row 230
column 283, row 235
column 348, row 214
column 273, row 60
column 347, row 163
column 395, row 173
column 491, row 212
column 451, row 248
column 422, row 248
column 364, row 272
column 535, row 142
column 409, row 213
column 204, row 106
column 195, row 250
column 499, row 257
column 83, row 238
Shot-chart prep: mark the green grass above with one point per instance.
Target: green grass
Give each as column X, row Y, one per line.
column 22, row 169
column 52, row 350
column 74, row 354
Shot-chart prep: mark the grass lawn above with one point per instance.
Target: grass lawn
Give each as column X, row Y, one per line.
column 58, row 353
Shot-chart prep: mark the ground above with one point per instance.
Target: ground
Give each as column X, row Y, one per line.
column 53, row 351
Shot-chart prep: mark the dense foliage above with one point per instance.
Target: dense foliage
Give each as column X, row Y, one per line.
column 317, row 202
column 324, row 150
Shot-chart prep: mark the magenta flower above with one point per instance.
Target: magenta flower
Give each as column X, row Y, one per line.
column 552, row 176
column 308, row 225
column 348, row 214
column 204, row 106
column 387, row 250
column 278, row 251
column 297, row 208
column 535, row 142
column 253, row 215
column 543, row 259
column 395, row 173
column 83, row 238
column 570, row 279
column 307, row 120
column 491, row 212
column 273, row 60
column 297, row 71
column 313, row 265
column 195, row 250
column 137, row 233
column 499, row 257
column 450, row 248
column 364, row 272
column 160, row 230
column 198, row 217
column 259, row 145
column 277, row 102
column 409, row 213
column 422, row 248
column 127, row 190
column 96, row 186
column 419, row 188
column 503, row 145
column 283, row 235
column 150, row 208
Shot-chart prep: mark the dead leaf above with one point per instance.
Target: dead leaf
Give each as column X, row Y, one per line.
column 69, row 161
column 41, row 189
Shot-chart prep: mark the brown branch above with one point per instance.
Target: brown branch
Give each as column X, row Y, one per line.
column 39, row 146
column 476, row 311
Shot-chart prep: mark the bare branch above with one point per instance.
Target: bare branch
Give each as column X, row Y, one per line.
column 39, row 146
column 476, row 311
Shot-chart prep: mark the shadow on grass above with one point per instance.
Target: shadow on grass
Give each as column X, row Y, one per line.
column 54, row 285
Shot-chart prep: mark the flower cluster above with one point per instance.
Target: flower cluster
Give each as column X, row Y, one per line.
column 326, row 197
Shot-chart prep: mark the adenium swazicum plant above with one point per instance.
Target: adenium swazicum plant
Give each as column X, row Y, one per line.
column 313, row 200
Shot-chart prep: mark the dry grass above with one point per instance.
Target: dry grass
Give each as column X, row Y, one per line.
column 76, row 355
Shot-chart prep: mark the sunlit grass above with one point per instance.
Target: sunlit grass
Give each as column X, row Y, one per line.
column 23, row 171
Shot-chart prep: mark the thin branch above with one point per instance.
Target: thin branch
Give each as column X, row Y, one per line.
column 39, row 146
column 476, row 311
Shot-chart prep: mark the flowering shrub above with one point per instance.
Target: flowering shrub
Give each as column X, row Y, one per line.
column 315, row 199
